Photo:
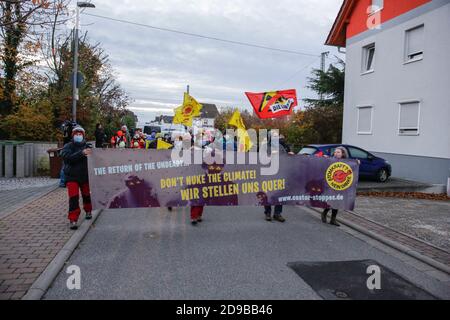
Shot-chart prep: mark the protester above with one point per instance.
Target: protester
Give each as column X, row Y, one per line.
column 100, row 136
column 142, row 139
column 280, row 146
column 196, row 215
column 339, row 153
column 151, row 141
column 75, row 156
column 127, row 136
column 178, row 144
column 138, row 141
column 196, row 211
column 118, row 139
column 67, row 128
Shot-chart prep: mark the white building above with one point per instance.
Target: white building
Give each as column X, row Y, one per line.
column 397, row 94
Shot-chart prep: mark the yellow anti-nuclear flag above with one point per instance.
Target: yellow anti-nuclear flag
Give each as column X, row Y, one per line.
column 245, row 143
column 188, row 111
column 237, row 121
column 162, row 145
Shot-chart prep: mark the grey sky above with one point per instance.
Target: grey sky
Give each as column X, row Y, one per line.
column 155, row 66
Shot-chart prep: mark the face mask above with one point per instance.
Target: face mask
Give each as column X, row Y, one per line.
column 78, row 139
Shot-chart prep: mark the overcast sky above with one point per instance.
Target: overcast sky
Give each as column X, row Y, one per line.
column 155, row 67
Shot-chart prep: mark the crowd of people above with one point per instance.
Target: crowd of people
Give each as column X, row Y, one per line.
column 123, row 139
column 74, row 174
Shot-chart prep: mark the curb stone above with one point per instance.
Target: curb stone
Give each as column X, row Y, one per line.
column 45, row 280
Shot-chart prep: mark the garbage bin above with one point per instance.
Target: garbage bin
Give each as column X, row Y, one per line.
column 55, row 163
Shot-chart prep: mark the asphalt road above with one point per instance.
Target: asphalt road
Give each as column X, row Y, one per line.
column 233, row 254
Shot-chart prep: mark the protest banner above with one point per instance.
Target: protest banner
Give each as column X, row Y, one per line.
column 150, row 178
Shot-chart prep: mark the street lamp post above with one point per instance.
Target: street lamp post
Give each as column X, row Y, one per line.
column 75, row 96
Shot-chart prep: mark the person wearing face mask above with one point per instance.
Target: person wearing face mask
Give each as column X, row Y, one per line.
column 75, row 156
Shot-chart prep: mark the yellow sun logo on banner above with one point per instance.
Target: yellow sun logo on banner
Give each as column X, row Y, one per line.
column 339, row 176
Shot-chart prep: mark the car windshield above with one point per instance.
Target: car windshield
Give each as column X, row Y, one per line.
column 308, row 151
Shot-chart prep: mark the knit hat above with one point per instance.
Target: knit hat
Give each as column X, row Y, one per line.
column 78, row 129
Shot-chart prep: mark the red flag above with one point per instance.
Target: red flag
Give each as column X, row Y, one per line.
column 275, row 104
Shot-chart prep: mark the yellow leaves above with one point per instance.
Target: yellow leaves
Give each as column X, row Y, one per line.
column 29, row 123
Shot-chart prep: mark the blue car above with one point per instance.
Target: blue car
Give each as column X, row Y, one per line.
column 371, row 166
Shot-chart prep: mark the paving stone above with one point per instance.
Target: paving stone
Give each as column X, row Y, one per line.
column 29, row 244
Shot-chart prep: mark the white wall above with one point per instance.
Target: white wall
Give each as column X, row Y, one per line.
column 394, row 81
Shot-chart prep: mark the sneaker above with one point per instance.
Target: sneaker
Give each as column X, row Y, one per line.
column 279, row 218
column 199, row 220
column 88, row 215
column 170, row 209
column 268, row 217
column 194, row 222
column 73, row 225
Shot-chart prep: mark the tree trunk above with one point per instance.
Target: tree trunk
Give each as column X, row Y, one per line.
column 13, row 36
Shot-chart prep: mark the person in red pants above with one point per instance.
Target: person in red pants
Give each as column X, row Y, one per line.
column 196, row 214
column 75, row 156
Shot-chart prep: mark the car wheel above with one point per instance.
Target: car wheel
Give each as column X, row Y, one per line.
column 383, row 175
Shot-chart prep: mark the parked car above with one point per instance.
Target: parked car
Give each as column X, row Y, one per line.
column 371, row 165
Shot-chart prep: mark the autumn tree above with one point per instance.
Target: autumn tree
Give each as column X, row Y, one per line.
column 22, row 25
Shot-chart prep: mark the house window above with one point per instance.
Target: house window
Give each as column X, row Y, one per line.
column 409, row 118
column 377, row 5
column 414, row 43
column 365, row 120
column 368, row 58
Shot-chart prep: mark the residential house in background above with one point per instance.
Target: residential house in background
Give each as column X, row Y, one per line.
column 208, row 116
column 397, row 87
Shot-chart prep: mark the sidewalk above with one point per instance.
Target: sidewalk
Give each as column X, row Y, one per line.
column 424, row 219
column 30, row 238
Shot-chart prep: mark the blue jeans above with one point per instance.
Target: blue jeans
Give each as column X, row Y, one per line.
column 62, row 178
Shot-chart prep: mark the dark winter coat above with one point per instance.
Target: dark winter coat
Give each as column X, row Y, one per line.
column 75, row 162
column 100, row 138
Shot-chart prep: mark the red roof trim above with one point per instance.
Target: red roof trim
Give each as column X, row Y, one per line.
column 337, row 36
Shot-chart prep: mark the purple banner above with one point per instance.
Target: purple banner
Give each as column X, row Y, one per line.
column 151, row 178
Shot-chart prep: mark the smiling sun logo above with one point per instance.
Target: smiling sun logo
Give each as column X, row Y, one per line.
column 339, row 176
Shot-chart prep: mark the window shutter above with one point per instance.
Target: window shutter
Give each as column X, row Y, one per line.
column 415, row 39
column 365, row 120
column 409, row 116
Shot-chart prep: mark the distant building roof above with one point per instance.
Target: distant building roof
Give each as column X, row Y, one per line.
column 165, row 119
column 209, row 111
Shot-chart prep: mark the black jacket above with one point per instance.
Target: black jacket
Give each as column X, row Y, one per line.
column 285, row 146
column 75, row 162
column 99, row 138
